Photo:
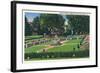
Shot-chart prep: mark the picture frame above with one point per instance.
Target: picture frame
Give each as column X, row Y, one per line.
column 22, row 55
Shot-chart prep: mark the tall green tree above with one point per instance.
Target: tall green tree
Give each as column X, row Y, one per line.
column 79, row 23
column 36, row 25
column 52, row 23
column 28, row 29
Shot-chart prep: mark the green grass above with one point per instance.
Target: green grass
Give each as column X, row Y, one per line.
column 67, row 47
column 34, row 48
column 74, row 41
column 33, row 37
column 58, row 52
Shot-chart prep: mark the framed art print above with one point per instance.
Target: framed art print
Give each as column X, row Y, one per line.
column 47, row 36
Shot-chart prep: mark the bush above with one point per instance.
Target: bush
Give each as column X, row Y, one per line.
column 48, row 55
column 33, row 37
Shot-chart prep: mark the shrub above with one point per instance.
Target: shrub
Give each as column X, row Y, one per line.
column 47, row 55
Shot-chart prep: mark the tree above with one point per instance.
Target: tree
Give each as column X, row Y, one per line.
column 28, row 30
column 79, row 23
column 53, row 23
column 36, row 25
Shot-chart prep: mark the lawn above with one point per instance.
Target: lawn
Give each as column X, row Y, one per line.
column 66, row 47
column 57, row 52
column 33, row 37
column 34, row 49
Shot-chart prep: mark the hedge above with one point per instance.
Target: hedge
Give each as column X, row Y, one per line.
column 46, row 55
column 33, row 37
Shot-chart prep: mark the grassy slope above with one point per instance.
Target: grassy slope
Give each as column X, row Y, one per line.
column 68, row 46
column 33, row 37
column 34, row 48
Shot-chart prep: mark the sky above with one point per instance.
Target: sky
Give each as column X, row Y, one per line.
column 30, row 16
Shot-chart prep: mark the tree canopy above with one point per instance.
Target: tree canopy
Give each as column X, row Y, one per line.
column 52, row 22
column 36, row 24
column 28, row 29
column 79, row 23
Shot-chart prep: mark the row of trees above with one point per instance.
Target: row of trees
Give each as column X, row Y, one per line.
column 54, row 24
